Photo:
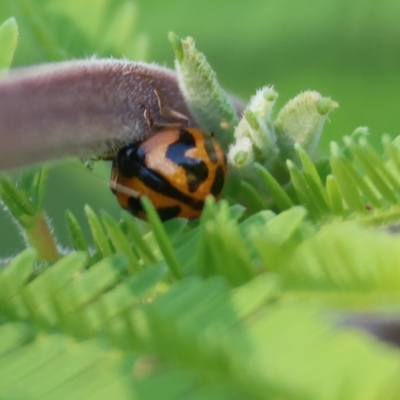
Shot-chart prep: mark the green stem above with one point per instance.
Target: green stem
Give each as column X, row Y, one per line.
column 39, row 237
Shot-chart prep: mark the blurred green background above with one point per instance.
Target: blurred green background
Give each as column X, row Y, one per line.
column 344, row 49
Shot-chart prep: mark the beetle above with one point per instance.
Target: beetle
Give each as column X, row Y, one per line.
column 176, row 168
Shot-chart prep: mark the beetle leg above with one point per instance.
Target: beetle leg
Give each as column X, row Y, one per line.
column 166, row 111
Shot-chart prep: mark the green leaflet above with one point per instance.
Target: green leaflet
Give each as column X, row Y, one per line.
column 208, row 102
column 346, row 261
column 69, row 298
column 162, row 239
column 53, row 365
column 360, row 184
column 262, row 355
column 218, row 341
column 8, row 43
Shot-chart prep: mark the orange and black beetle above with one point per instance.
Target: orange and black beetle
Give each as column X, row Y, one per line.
column 177, row 168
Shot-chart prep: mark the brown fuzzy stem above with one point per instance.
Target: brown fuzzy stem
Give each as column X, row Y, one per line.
column 80, row 108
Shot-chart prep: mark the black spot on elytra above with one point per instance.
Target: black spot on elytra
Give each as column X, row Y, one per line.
column 196, row 170
column 135, row 205
column 218, row 183
column 131, row 161
column 196, row 173
column 167, row 213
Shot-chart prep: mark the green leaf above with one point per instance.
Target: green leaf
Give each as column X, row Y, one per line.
column 120, row 243
column 313, row 179
column 335, row 198
column 163, row 241
column 348, row 189
column 141, row 245
column 198, row 83
column 254, row 200
column 18, row 270
column 13, row 335
column 220, row 250
column 277, row 238
column 377, row 172
column 8, row 43
column 347, row 265
column 52, row 365
column 225, row 335
column 99, row 277
column 78, row 240
column 120, row 299
column 99, row 237
column 12, row 280
column 17, row 199
column 59, row 275
column 281, row 199
column 310, row 198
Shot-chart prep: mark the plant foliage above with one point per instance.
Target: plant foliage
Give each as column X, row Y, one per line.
column 247, row 303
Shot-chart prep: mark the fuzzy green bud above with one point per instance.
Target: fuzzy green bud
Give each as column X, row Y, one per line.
column 256, row 125
column 207, row 101
column 241, row 153
column 301, row 121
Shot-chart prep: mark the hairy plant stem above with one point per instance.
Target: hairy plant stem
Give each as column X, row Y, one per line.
column 39, row 236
